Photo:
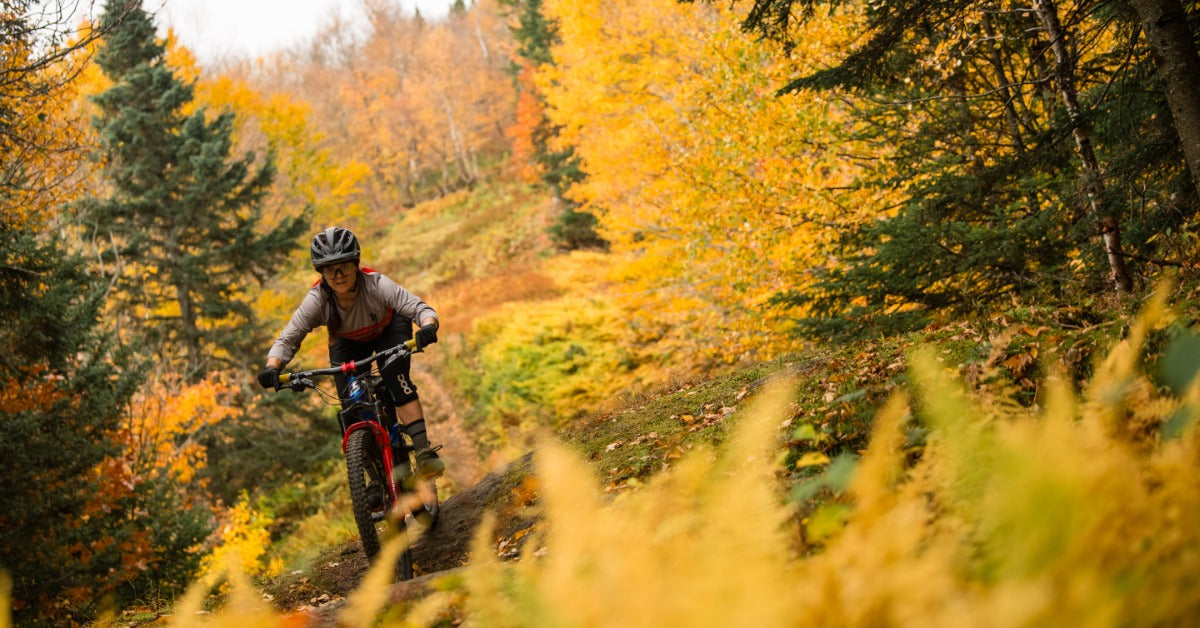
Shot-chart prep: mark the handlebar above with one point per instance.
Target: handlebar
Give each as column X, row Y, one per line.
column 302, row 379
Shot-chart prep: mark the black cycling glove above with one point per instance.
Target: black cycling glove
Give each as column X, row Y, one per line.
column 269, row 377
column 426, row 335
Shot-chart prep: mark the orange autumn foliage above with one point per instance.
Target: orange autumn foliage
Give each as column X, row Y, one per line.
column 529, row 115
column 422, row 104
column 159, row 435
column 34, row 392
column 158, row 448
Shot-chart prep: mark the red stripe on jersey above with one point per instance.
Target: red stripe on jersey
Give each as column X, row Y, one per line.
column 370, row 332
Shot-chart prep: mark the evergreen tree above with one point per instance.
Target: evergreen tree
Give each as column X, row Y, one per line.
column 560, row 169
column 71, row 535
column 63, row 389
column 183, row 213
column 65, row 393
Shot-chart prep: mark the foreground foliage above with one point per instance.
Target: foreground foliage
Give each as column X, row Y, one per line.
column 1074, row 511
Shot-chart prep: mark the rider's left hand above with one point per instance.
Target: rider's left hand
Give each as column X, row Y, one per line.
column 426, row 335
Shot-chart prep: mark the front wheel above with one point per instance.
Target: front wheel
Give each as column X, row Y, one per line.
column 418, row 504
column 404, row 564
column 368, row 493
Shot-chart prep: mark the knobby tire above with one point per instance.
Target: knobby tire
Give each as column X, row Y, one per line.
column 361, row 461
column 404, row 564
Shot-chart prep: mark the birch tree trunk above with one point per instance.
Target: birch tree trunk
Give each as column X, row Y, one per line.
column 1166, row 27
column 1093, row 182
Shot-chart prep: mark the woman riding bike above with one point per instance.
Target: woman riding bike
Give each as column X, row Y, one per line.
column 365, row 312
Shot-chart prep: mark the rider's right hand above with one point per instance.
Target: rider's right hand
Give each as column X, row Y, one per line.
column 426, row 335
column 269, row 377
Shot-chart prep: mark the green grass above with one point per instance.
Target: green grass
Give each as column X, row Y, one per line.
column 468, row 234
column 311, row 513
column 635, row 442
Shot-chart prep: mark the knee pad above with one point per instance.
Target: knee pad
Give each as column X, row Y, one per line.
column 402, row 388
column 396, row 380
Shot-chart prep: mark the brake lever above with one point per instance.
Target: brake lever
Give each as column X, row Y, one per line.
column 295, row 385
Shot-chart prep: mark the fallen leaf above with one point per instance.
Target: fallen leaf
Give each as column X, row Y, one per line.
column 812, row 459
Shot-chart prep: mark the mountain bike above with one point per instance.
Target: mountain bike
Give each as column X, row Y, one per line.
column 382, row 488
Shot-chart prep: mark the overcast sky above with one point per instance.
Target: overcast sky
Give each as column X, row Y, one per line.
column 215, row 29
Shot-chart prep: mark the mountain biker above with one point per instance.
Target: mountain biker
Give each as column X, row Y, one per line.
column 364, row 312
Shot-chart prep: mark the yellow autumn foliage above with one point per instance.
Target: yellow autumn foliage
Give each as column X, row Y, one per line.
column 43, row 143
column 715, row 194
column 310, row 177
column 243, row 539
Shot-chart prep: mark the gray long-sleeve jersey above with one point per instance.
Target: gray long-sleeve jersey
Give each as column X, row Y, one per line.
column 377, row 301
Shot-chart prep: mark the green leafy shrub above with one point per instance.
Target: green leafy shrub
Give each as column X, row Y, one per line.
column 542, row 365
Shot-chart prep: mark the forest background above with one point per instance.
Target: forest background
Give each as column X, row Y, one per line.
column 596, row 196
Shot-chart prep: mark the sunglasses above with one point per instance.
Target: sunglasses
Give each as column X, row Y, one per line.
column 337, row 270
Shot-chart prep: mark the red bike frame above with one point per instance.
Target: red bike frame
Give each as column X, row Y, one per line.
column 385, row 445
column 299, row 381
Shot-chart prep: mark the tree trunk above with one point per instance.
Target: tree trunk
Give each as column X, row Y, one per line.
column 191, row 333
column 1093, row 182
column 1165, row 24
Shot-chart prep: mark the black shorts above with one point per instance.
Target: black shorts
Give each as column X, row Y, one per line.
column 396, row 377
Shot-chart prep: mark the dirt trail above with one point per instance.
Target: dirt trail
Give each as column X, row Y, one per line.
column 445, row 426
column 321, row 594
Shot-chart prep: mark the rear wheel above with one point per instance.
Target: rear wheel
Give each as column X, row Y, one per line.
column 364, row 470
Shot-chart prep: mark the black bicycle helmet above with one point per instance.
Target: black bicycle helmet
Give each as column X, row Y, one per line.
column 332, row 246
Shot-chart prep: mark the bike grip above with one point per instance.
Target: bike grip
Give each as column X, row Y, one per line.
column 411, row 344
column 284, row 379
